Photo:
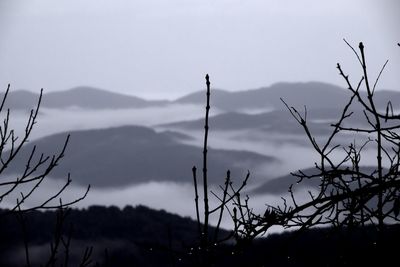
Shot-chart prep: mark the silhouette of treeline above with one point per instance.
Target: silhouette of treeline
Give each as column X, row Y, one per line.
column 140, row 236
column 130, row 223
column 129, row 233
column 363, row 246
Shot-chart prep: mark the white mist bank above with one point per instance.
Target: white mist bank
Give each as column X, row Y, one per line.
column 51, row 121
column 172, row 197
column 293, row 152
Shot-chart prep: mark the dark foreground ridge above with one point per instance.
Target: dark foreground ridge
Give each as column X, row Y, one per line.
column 140, row 236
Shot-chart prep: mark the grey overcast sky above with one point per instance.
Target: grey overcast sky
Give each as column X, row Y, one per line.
column 163, row 48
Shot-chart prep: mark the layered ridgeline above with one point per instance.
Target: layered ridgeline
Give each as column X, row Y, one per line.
column 79, row 97
column 133, row 154
column 312, row 94
column 280, row 185
column 120, row 156
column 319, row 121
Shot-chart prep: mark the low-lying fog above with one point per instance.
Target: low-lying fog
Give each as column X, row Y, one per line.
column 292, row 151
column 52, row 121
column 172, row 197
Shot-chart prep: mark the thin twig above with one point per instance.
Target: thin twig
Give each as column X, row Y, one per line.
column 205, row 178
column 196, row 200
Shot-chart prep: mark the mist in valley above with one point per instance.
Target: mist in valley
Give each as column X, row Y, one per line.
column 291, row 151
column 120, row 132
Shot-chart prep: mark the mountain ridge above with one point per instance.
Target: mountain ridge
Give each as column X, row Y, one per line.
column 311, row 94
column 85, row 97
column 128, row 155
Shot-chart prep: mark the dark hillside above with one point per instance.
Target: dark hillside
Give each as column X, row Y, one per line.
column 139, row 236
column 127, row 155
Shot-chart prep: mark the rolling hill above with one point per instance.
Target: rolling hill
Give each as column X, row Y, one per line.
column 278, row 121
column 312, row 94
column 116, row 157
column 81, row 97
column 280, row 185
column 315, row 95
column 93, row 98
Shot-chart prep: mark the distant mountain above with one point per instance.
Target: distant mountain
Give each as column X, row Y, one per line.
column 312, row 94
column 199, row 97
column 81, row 97
column 20, row 100
column 382, row 97
column 281, row 184
column 129, row 155
column 93, row 98
column 278, row 121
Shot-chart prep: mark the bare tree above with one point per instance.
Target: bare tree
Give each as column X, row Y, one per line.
column 35, row 170
column 27, row 181
column 348, row 195
column 229, row 201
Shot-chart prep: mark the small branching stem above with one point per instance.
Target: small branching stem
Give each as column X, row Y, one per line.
column 205, row 178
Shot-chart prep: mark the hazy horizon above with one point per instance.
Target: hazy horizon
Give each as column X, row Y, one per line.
column 170, row 98
column 162, row 49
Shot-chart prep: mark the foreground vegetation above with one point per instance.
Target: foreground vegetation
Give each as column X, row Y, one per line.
column 141, row 236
